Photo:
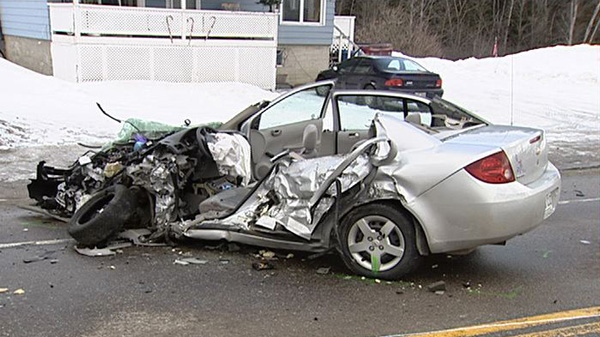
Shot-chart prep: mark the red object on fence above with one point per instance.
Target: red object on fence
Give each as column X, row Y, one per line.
column 495, row 50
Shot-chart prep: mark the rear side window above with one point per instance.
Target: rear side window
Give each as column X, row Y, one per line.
column 346, row 67
column 363, row 67
column 398, row 64
column 394, row 65
column 357, row 111
column 413, row 66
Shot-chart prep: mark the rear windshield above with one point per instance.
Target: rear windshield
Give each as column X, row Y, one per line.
column 398, row 64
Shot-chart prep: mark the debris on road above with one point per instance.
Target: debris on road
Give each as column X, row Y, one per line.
column 263, row 265
column 107, row 251
column 323, row 271
column 193, row 260
column 34, row 259
column 437, row 286
column 267, row 254
column 181, row 262
column 585, row 242
column 138, row 237
column 19, row 292
column 3, row 290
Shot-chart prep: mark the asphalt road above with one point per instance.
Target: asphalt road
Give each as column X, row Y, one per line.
column 141, row 292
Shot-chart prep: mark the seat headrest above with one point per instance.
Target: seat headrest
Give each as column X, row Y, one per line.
column 310, row 137
column 414, row 118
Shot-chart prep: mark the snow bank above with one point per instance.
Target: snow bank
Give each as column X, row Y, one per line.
column 555, row 88
column 43, row 110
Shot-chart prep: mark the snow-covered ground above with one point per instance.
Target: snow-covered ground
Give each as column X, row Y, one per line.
column 42, row 117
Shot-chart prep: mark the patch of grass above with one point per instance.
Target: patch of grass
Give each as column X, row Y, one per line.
column 41, row 224
column 546, row 254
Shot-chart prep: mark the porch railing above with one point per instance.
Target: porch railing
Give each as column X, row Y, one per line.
column 94, row 20
column 343, row 38
column 99, row 43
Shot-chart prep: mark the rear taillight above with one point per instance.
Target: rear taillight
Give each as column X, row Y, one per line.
column 394, row 82
column 438, row 83
column 494, row 169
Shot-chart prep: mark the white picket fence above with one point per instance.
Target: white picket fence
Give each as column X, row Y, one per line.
column 100, row 43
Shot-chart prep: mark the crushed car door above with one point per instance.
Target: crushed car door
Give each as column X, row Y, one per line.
column 282, row 126
column 355, row 114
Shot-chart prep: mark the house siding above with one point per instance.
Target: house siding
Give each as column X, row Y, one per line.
column 25, row 18
column 290, row 34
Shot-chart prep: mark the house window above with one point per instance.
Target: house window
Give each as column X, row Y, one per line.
column 302, row 11
column 189, row 4
column 105, row 2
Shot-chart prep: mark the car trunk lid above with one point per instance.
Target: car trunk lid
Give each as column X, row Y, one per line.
column 526, row 148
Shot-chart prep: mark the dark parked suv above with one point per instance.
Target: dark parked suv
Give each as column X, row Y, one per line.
column 385, row 73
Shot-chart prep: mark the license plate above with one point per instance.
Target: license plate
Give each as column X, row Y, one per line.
column 421, row 94
column 551, row 200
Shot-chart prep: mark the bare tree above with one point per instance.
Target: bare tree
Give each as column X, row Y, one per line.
column 574, row 5
column 588, row 30
column 464, row 28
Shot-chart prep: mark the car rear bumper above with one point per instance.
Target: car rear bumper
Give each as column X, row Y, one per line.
column 429, row 93
column 463, row 212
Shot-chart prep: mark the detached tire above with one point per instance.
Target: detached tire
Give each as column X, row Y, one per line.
column 378, row 241
column 103, row 215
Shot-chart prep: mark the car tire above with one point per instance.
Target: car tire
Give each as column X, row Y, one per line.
column 378, row 241
column 102, row 215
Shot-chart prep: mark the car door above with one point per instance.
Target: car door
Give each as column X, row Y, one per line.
column 281, row 125
column 345, row 73
column 361, row 74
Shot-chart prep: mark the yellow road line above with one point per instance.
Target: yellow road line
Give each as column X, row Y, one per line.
column 570, row 331
column 518, row 323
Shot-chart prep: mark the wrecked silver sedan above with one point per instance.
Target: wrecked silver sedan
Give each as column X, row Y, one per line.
column 383, row 178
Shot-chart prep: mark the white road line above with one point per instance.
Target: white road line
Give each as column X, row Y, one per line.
column 34, row 243
column 565, row 202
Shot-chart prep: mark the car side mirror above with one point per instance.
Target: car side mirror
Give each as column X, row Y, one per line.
column 251, row 123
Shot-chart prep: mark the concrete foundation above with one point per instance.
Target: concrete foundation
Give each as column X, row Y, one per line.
column 32, row 54
column 301, row 64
